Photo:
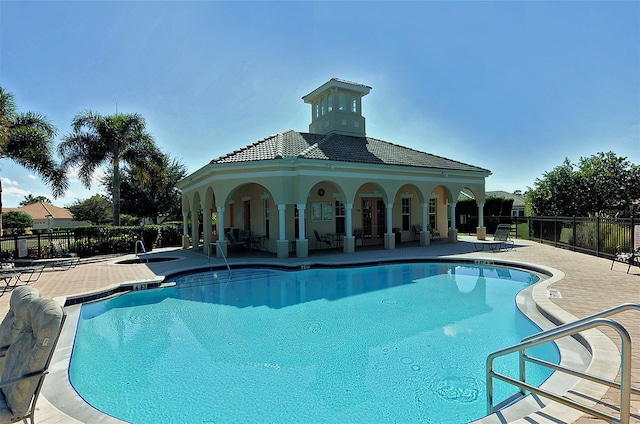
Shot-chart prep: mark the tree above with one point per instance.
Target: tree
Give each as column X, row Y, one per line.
column 27, row 138
column 30, row 200
column 17, row 222
column 95, row 209
column 603, row 184
column 610, row 184
column 117, row 139
column 152, row 192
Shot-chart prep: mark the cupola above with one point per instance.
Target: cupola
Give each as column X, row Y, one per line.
column 336, row 106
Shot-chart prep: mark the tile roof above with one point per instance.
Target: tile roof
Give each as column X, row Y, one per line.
column 340, row 148
column 40, row 210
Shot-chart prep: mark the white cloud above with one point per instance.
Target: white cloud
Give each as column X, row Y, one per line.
column 8, row 182
column 33, row 177
column 14, row 192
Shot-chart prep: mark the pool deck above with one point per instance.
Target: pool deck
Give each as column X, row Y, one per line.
column 587, row 286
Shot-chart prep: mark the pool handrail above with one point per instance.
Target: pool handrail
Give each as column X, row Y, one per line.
column 144, row 251
column 218, row 247
column 564, row 330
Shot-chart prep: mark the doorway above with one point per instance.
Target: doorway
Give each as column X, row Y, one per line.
column 373, row 221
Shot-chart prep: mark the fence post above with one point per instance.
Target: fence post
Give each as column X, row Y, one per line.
column 633, row 233
column 598, row 222
column 574, row 234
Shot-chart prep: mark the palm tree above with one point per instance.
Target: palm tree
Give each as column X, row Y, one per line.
column 27, row 138
column 30, row 199
column 112, row 139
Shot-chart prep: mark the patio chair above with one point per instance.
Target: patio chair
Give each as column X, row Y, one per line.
column 27, row 359
column 30, row 274
column 435, row 233
column 321, row 239
column 359, row 235
column 13, row 323
column 416, row 231
column 233, row 236
column 501, row 238
column 630, row 258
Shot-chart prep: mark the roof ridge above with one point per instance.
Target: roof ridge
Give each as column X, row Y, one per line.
column 315, row 145
column 244, row 148
column 46, row 208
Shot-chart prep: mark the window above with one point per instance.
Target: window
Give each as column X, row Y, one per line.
column 317, row 109
column 342, row 102
column 231, row 215
column 330, row 102
column 406, row 214
column 266, row 218
column 323, row 105
column 296, row 217
column 354, row 105
column 344, row 122
column 432, row 213
column 356, row 124
column 340, row 227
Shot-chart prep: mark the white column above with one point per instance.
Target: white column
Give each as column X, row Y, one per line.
column 481, row 215
column 195, row 231
column 185, row 227
column 281, row 221
column 425, row 208
column 348, row 207
column 220, row 223
column 389, row 217
column 301, row 230
column 453, row 215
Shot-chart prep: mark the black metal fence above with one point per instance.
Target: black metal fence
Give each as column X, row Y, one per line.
column 592, row 235
column 87, row 241
column 53, row 244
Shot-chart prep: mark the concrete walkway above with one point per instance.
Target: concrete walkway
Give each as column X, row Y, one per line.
column 588, row 286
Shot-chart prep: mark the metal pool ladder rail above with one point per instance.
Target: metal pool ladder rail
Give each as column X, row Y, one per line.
column 564, row 330
column 139, row 242
column 223, row 257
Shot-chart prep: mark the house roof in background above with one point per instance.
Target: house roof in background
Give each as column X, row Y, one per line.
column 518, row 201
column 340, row 148
column 41, row 210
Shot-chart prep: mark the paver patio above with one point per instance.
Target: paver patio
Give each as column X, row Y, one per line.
column 588, row 286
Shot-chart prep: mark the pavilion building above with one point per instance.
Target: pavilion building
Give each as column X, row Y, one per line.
column 333, row 180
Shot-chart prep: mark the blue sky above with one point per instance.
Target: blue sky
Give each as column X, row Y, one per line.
column 514, row 87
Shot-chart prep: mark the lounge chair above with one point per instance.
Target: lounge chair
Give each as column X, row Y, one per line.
column 27, row 358
column 501, row 240
column 630, row 258
column 321, row 239
column 13, row 323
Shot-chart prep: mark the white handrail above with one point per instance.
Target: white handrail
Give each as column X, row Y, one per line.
column 570, row 329
column 218, row 247
column 143, row 249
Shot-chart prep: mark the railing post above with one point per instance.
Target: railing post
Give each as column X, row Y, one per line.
column 575, row 232
column 598, row 232
column 633, row 232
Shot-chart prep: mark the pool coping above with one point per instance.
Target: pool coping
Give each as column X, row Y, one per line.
column 534, row 302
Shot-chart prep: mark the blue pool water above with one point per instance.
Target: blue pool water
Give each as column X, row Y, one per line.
column 393, row 343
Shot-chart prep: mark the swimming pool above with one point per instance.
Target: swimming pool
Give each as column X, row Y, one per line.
column 390, row 343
